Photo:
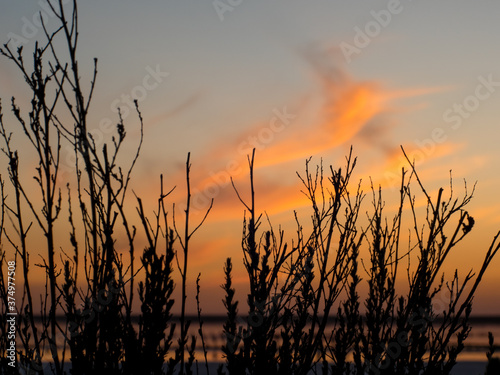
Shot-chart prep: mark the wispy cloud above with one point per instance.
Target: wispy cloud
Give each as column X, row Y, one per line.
column 342, row 112
column 178, row 109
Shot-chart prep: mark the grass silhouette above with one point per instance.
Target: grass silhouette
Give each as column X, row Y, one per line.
column 296, row 289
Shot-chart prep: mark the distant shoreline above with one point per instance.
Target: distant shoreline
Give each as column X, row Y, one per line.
column 215, row 318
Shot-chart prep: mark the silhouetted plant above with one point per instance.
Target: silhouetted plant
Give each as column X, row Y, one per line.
column 396, row 334
column 493, row 366
column 200, row 321
column 100, row 335
column 45, row 140
column 146, row 352
column 184, row 240
column 304, row 310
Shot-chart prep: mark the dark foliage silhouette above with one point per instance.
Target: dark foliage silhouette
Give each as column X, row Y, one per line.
column 304, row 310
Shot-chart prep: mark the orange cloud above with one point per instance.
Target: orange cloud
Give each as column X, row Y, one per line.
column 344, row 111
column 345, row 108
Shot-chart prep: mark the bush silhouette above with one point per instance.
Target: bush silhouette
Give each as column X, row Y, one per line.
column 304, row 309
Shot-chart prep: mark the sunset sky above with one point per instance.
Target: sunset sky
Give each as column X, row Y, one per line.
column 294, row 79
